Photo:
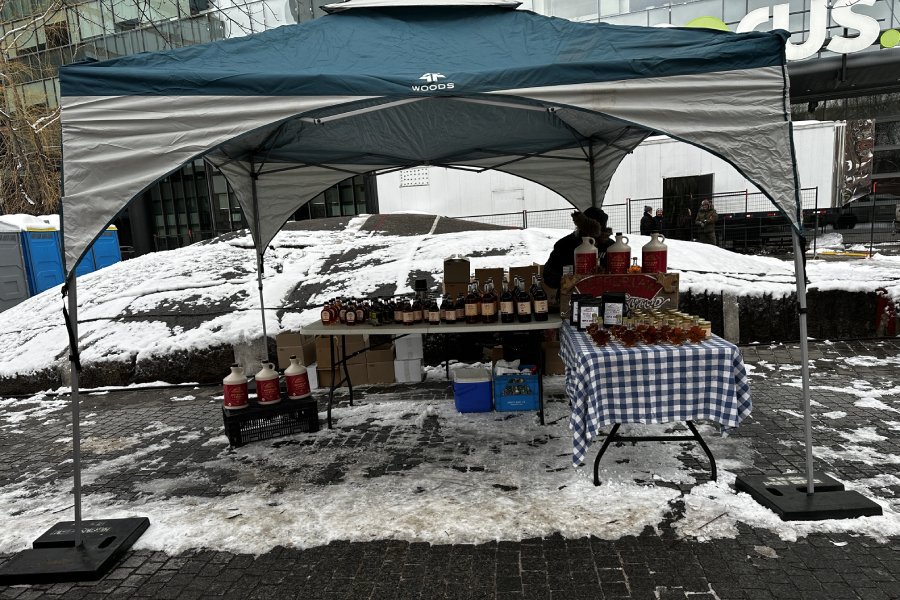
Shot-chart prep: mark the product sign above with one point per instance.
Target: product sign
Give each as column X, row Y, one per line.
column 641, row 291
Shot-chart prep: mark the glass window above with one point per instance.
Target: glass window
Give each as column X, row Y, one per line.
column 576, row 10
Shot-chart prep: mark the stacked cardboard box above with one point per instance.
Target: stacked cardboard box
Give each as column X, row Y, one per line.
column 356, row 366
column 408, row 363
column 295, row 344
column 553, row 363
column 456, row 276
column 380, row 364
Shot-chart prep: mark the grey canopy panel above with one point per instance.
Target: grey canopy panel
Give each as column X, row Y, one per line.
column 385, row 84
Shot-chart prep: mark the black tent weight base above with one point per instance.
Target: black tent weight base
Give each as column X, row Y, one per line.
column 54, row 557
column 786, row 496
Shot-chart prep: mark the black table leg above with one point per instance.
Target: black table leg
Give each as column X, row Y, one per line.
column 702, row 442
column 614, row 436
column 346, row 368
column 609, row 438
column 333, row 377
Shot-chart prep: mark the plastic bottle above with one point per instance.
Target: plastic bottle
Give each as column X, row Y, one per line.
column 296, row 380
column 586, row 257
column 267, row 389
column 654, row 254
column 618, row 256
column 235, row 386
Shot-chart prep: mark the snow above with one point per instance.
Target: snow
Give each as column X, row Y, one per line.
column 217, row 281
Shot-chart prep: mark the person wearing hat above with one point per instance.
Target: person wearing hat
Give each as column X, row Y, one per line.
column 706, row 223
column 589, row 223
column 647, row 222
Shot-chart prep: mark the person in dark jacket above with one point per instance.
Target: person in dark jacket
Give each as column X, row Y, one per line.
column 706, row 223
column 589, row 223
column 659, row 223
column 647, row 221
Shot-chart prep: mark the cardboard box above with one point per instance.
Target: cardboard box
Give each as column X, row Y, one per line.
column 381, row 354
column 482, row 275
column 525, row 273
column 455, row 289
column 380, row 372
column 409, row 347
column 643, row 290
column 553, row 362
column 352, row 343
column 290, row 338
column 358, row 375
column 306, row 353
column 457, row 270
column 492, row 354
column 408, row 371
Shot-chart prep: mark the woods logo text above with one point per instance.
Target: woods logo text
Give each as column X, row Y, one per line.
column 433, row 83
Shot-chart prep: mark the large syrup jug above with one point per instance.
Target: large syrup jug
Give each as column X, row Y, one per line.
column 235, row 388
column 268, row 390
column 654, row 254
column 618, row 256
column 296, row 379
column 586, row 257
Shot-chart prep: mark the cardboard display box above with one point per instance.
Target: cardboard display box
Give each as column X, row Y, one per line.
column 457, row 270
column 408, row 371
column 525, row 273
column 455, row 289
column 380, row 372
column 409, row 347
column 482, row 275
column 642, row 290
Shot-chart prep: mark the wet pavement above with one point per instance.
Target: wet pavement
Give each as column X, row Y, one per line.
column 179, row 431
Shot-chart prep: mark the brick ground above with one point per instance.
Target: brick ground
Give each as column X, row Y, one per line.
column 757, row 564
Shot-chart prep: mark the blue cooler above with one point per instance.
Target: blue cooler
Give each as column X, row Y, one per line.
column 472, row 390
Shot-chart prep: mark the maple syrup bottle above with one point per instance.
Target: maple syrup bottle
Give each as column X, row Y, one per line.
column 489, row 303
column 449, row 308
column 398, row 310
column 342, row 310
column 541, row 305
column 507, row 306
column 408, row 317
column 418, row 312
column 350, row 315
column 327, row 313
column 434, row 313
column 472, row 305
column 523, row 302
column 362, row 312
column 460, row 308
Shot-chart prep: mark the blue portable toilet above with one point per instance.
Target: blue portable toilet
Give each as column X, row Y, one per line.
column 106, row 249
column 13, row 275
column 43, row 259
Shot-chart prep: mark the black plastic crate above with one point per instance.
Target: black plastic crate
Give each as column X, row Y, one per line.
column 257, row 422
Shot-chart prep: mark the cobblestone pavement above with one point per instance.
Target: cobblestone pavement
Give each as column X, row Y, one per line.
column 755, row 564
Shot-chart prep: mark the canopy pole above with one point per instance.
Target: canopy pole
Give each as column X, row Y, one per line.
column 74, row 374
column 800, row 274
column 593, row 183
column 259, row 263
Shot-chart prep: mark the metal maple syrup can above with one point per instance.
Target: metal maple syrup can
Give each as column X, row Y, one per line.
column 296, row 379
column 268, row 390
column 235, row 387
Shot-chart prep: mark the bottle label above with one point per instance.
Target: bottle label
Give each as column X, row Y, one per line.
column 524, row 308
column 417, row 315
column 618, row 262
column 235, row 395
column 488, row 309
column 654, row 261
column 540, row 306
column 472, row 310
column 434, row 316
column 360, row 315
column 267, row 390
column 398, row 315
column 326, row 317
column 507, row 308
column 297, row 386
column 451, row 316
column 460, row 314
column 408, row 317
column 585, row 263
column 351, row 317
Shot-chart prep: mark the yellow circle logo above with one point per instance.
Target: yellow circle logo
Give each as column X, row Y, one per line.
column 708, row 23
column 890, row 38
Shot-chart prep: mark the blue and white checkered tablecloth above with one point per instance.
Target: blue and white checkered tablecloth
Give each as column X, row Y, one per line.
column 650, row 384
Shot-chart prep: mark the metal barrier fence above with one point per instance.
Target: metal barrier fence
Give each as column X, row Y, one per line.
column 748, row 220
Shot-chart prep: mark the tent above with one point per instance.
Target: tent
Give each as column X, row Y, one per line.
column 390, row 84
